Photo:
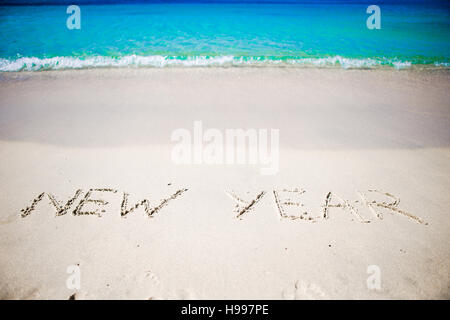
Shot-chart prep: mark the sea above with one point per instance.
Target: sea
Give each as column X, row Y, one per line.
column 52, row 35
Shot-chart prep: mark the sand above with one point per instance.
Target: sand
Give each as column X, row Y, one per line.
column 341, row 131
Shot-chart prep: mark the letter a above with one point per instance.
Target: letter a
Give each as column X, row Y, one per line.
column 73, row 21
column 374, row 21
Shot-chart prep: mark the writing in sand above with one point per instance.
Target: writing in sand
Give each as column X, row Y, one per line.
column 374, row 201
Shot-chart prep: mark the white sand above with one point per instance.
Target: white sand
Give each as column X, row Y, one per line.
column 340, row 131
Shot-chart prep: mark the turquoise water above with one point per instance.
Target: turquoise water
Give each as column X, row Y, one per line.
column 225, row 34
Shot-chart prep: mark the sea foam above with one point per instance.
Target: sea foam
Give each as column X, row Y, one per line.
column 159, row 61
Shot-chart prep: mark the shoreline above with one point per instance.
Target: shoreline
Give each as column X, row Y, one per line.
column 413, row 67
column 35, row 64
column 427, row 68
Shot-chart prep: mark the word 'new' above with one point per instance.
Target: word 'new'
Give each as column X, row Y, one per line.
column 90, row 197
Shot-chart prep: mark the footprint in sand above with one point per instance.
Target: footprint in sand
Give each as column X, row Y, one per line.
column 157, row 288
column 303, row 291
column 185, row 294
column 163, row 293
column 8, row 219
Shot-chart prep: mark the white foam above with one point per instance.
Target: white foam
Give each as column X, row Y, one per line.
column 401, row 65
column 442, row 64
column 159, row 61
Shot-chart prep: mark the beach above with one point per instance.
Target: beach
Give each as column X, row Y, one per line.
column 344, row 136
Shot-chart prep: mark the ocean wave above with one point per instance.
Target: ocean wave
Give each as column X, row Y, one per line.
column 159, row 61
